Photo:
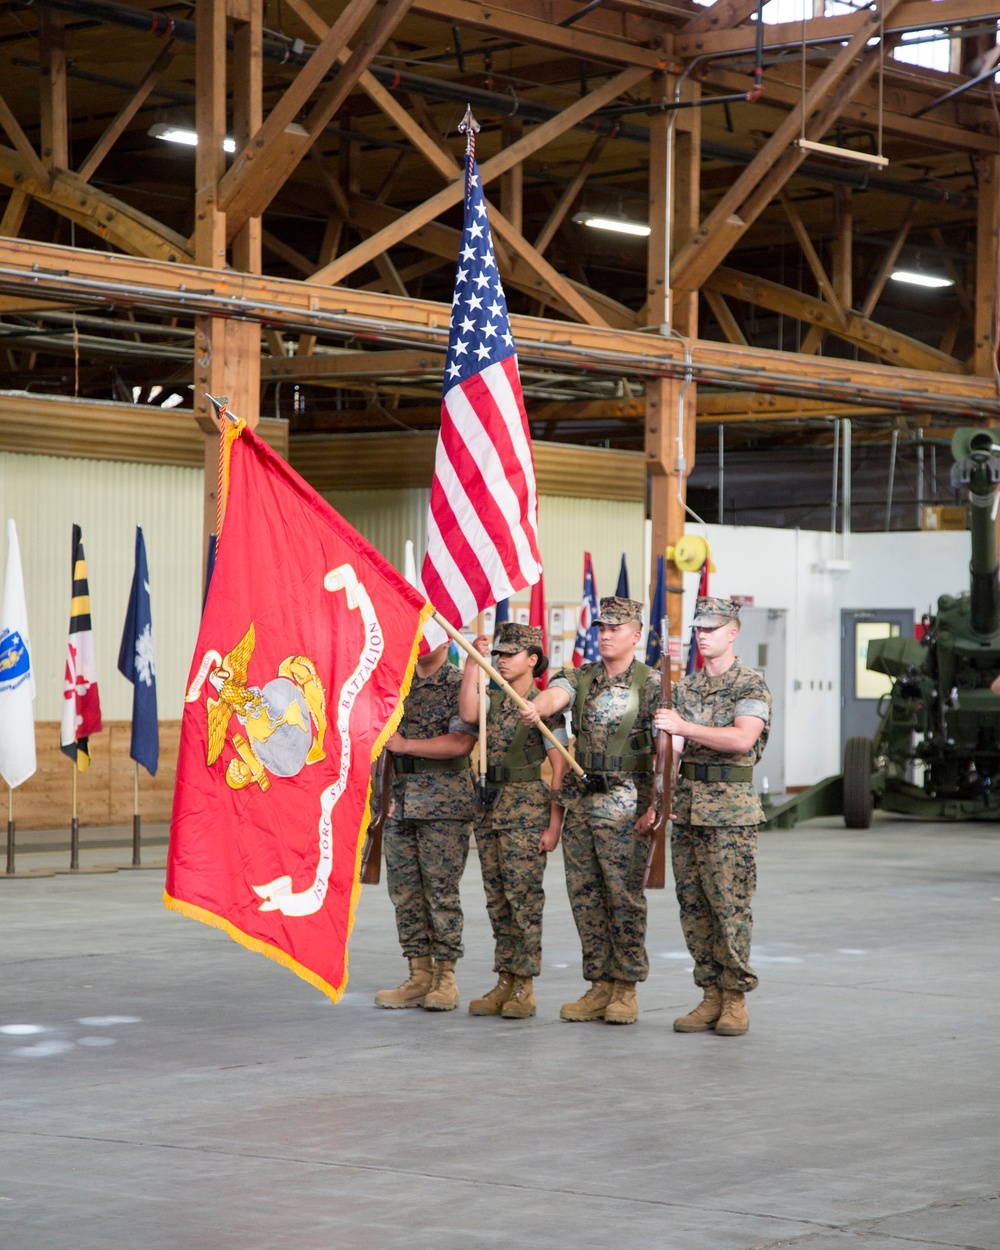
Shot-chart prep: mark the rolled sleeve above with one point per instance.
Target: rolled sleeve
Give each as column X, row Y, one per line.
column 458, row 726
column 752, row 707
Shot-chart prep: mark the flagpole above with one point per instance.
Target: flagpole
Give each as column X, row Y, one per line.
column 509, row 690
column 10, row 831
column 136, row 818
column 74, row 828
column 480, row 626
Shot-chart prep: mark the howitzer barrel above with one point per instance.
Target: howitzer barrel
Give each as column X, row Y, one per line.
column 977, row 465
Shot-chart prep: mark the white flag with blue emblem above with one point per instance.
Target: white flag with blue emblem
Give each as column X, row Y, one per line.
column 17, row 678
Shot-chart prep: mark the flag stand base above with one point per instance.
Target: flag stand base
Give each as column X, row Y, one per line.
column 10, row 848
column 136, row 840
column 74, row 844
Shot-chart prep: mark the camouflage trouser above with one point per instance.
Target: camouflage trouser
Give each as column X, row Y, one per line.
column 513, row 868
column 716, row 874
column 605, row 863
column 424, row 862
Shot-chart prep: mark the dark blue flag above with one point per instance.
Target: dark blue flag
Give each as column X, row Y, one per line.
column 657, row 613
column 502, row 613
column 135, row 663
column 622, row 591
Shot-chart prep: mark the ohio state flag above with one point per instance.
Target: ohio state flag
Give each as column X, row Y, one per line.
column 305, row 652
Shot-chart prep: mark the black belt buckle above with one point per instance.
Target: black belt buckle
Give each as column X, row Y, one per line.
column 596, row 783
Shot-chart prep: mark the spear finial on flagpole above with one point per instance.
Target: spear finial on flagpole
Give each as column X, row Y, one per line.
column 221, row 406
column 469, row 127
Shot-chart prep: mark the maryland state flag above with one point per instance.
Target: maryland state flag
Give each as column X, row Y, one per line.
column 305, row 653
column 81, row 714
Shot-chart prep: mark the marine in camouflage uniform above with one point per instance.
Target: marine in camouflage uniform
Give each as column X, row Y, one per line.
column 426, row 833
column 604, row 856
column 517, row 822
column 716, row 813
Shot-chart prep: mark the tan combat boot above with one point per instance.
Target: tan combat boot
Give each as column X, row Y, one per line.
column 592, row 1005
column 443, row 994
column 521, row 1004
column 734, row 1021
column 704, row 1016
column 411, row 993
column 623, row 1008
column 491, row 1003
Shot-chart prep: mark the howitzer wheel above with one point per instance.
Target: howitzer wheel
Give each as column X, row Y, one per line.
column 859, row 802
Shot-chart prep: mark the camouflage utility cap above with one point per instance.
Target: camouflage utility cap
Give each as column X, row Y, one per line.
column 511, row 638
column 618, row 611
column 711, row 613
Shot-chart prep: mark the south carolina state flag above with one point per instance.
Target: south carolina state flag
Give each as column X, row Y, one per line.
column 306, row 650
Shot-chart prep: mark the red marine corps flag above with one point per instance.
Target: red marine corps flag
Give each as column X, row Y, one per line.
column 482, row 525
column 306, row 650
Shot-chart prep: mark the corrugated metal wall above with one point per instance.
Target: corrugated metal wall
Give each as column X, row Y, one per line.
column 567, row 528
column 45, row 495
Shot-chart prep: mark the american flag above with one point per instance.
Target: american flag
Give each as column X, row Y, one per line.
column 482, row 528
column 585, row 649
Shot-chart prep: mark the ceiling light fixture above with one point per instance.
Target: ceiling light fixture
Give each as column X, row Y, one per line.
column 180, row 134
column 620, row 225
column 917, row 277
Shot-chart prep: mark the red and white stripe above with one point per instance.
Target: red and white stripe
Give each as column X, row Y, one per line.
column 482, row 529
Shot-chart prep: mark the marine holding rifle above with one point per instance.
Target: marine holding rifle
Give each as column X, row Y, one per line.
column 720, row 720
column 606, row 828
column 426, row 834
column 517, row 822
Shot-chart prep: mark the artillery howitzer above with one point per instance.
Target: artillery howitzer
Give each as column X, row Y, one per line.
column 941, row 716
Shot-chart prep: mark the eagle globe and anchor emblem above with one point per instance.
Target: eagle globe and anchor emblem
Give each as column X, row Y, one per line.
column 283, row 722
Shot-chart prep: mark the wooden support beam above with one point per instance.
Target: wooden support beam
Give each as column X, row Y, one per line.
column 427, row 142
column 723, row 314
column 96, row 211
column 722, row 15
column 120, row 123
column 912, row 14
column 264, row 165
column 342, row 366
column 882, row 342
column 88, row 277
column 888, row 264
column 512, row 182
column 383, row 239
column 526, row 21
column 775, row 163
column 14, row 213
column 248, row 114
column 824, row 283
column 54, row 112
column 953, row 272
column 568, row 197
column 984, row 355
column 30, row 163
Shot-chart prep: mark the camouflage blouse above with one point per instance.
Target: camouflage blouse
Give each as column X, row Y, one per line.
column 705, row 700
column 431, row 709
column 520, row 801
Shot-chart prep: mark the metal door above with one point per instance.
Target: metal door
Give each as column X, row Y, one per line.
column 760, row 644
column 860, row 690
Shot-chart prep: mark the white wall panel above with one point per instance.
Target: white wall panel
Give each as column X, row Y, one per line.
column 46, row 495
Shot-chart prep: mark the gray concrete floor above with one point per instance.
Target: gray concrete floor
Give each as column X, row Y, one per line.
column 160, row 1087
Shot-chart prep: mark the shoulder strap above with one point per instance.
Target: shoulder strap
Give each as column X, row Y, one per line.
column 582, row 690
column 620, row 739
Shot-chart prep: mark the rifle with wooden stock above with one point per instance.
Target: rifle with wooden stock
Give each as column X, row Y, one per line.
column 663, row 770
column 371, row 856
